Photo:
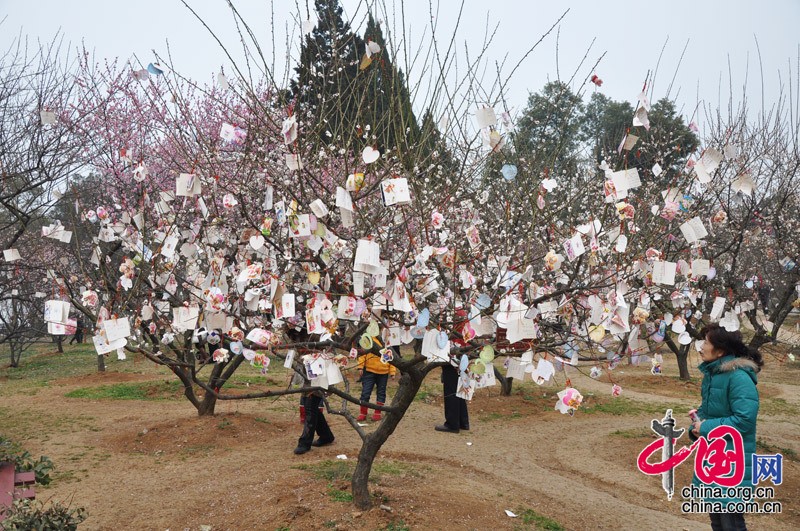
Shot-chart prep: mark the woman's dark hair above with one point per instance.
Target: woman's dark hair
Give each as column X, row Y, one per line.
column 731, row 343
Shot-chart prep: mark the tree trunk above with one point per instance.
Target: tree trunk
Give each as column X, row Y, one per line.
column 207, row 405
column 16, row 353
column 60, row 343
column 682, row 355
column 407, row 389
column 101, row 363
column 505, row 383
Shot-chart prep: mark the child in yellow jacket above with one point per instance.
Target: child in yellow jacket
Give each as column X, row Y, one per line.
column 374, row 373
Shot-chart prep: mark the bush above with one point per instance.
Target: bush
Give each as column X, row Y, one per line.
column 11, row 452
column 27, row 514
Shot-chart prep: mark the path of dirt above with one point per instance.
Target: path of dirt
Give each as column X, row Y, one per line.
column 154, row 465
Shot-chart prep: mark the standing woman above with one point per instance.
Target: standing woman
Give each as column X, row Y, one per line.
column 730, row 398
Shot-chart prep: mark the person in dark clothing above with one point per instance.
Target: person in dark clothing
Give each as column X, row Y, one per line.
column 315, row 423
column 78, row 335
column 455, row 409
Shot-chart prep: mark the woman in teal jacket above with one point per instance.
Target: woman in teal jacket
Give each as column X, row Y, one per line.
column 729, row 398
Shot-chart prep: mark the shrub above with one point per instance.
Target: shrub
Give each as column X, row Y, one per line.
column 27, row 514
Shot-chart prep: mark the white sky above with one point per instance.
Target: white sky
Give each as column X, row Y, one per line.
column 632, row 33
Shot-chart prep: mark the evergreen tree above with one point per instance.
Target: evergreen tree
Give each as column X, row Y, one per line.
column 549, row 129
column 339, row 90
column 388, row 103
column 324, row 88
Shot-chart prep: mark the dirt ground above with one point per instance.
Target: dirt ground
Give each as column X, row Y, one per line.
column 153, row 464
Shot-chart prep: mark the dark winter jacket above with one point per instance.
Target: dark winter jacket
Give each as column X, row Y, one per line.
column 730, row 398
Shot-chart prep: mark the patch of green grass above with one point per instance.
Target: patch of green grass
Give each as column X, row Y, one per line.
column 22, row 425
column 633, row 433
column 129, row 391
column 778, row 406
column 422, row 396
column 620, row 406
column 41, row 364
column 340, row 470
column 763, row 446
column 529, row 518
column 329, row 469
column 339, row 495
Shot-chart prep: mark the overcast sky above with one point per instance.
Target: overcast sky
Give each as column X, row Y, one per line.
column 630, row 33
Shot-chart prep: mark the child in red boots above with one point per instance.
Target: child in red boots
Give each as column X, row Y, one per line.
column 375, row 373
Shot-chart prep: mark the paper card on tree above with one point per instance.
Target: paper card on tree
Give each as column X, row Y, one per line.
column 65, row 236
column 168, row 247
column 56, row 311
column 717, row 309
column 700, row 267
column 547, row 308
column 711, row 159
column 694, row 230
column 293, row 161
column 488, row 378
column 318, row 208
column 187, row 185
column 380, row 278
column 664, row 272
column 620, row 321
column 486, row 117
column 703, row 175
column 516, row 369
column 395, row 191
column 11, row 255
column 543, row 372
column 332, row 373
column 393, row 336
column 629, row 142
column 743, row 183
column 300, row 226
column 358, row 283
column 185, row 318
column 103, row 346
column 57, row 329
column 465, row 388
column 117, row 328
column 47, row 117
column 624, row 180
column 313, row 321
column 367, row 259
column 286, row 308
column 574, row 247
column 657, row 169
column 287, row 363
column 315, row 367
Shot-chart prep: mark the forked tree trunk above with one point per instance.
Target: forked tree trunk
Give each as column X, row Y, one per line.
column 407, row 389
column 206, row 406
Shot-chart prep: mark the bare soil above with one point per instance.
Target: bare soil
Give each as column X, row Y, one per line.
column 154, row 464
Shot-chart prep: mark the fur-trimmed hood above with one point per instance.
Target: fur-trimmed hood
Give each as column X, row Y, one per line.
column 738, row 363
column 732, row 363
